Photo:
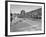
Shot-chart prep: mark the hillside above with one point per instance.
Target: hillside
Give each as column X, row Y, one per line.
column 32, row 14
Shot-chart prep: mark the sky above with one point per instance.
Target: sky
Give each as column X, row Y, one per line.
column 27, row 8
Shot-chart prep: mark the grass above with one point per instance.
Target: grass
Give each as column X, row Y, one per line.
column 25, row 25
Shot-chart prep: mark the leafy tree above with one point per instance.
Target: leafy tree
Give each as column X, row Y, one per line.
column 22, row 12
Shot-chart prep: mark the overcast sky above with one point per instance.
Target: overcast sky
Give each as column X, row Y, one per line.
column 18, row 8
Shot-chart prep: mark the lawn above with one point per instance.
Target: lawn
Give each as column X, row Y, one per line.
column 25, row 25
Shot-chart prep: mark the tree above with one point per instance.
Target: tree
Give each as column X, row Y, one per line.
column 22, row 12
column 11, row 17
